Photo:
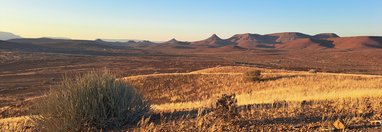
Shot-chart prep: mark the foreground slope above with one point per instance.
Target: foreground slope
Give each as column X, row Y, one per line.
column 200, row 87
column 283, row 101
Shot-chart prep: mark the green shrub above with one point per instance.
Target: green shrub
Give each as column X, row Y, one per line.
column 254, row 76
column 92, row 101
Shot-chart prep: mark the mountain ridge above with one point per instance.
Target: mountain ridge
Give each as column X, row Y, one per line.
column 282, row 40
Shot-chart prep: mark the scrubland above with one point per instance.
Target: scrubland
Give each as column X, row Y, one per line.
column 282, row 101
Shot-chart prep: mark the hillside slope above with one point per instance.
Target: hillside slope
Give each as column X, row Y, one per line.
column 363, row 42
column 306, row 43
column 174, row 90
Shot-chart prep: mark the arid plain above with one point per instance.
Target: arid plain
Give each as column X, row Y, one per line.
column 308, row 82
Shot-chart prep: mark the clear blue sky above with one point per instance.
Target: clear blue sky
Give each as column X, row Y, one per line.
column 187, row 19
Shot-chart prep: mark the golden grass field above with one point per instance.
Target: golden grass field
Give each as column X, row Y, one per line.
column 314, row 100
column 197, row 89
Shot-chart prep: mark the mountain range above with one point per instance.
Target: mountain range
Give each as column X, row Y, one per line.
column 284, row 40
column 287, row 40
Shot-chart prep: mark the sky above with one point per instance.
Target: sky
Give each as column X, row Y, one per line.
column 188, row 20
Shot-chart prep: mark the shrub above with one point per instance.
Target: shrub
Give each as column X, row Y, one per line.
column 254, row 76
column 222, row 116
column 92, row 101
column 312, row 71
column 226, row 106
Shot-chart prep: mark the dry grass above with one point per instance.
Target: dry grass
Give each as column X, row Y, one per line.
column 234, row 69
column 318, row 87
column 16, row 124
column 92, row 101
column 355, row 114
column 282, row 101
column 196, row 89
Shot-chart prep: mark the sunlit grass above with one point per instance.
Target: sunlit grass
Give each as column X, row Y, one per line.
column 277, row 86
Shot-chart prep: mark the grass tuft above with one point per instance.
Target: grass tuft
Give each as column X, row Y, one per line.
column 92, row 101
column 254, row 76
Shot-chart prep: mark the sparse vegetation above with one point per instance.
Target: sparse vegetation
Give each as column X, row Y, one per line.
column 93, row 101
column 312, row 71
column 226, row 106
column 287, row 101
column 254, row 76
column 221, row 116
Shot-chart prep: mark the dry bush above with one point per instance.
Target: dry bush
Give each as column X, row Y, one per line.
column 221, row 117
column 16, row 124
column 226, row 106
column 93, row 101
column 254, row 76
column 313, row 71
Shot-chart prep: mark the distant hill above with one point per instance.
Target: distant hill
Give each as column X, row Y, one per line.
column 43, row 40
column 126, row 40
column 11, row 46
column 238, row 42
column 144, row 43
column 288, row 36
column 65, row 44
column 361, row 42
column 292, row 41
column 173, row 41
column 57, row 38
column 325, row 35
column 249, row 41
column 7, row 36
column 214, row 41
column 306, row 43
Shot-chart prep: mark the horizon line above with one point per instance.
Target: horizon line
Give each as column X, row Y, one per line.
column 152, row 40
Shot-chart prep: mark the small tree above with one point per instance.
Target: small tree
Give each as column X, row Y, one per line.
column 254, row 76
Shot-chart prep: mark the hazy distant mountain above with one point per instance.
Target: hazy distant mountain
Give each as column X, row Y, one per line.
column 120, row 40
column 175, row 42
column 127, row 40
column 57, row 38
column 7, row 36
column 172, row 41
